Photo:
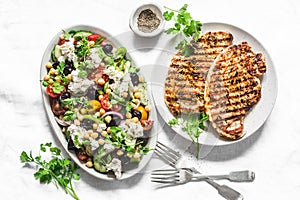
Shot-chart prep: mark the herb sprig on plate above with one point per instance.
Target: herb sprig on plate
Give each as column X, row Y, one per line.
column 58, row 170
column 185, row 24
column 193, row 125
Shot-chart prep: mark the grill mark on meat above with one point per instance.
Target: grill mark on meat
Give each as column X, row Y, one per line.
column 234, row 88
column 185, row 82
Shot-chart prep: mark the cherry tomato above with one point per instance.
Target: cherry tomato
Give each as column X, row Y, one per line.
column 105, row 77
column 50, row 92
column 105, row 102
column 61, row 42
column 93, row 37
column 143, row 112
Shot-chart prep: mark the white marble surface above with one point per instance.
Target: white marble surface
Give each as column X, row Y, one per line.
column 273, row 152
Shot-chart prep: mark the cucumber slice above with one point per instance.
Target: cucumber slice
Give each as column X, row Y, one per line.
column 56, row 53
column 81, row 34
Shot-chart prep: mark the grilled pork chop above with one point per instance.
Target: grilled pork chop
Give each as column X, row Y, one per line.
column 185, row 82
column 233, row 88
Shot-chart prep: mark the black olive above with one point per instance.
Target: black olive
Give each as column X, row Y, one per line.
column 136, row 113
column 134, row 78
column 68, row 70
column 55, row 64
column 69, row 63
column 142, row 140
column 64, row 96
column 87, row 124
column 115, row 121
column 71, row 145
column 107, row 48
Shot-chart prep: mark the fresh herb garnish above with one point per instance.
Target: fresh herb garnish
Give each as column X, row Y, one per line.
column 69, row 115
column 185, row 24
column 57, row 87
column 193, row 125
column 58, row 170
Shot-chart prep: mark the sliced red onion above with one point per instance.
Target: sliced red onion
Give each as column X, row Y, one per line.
column 113, row 113
column 62, row 122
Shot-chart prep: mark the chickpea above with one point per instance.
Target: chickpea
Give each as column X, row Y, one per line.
column 135, row 120
column 52, row 71
column 95, row 126
column 101, row 141
column 106, row 59
column 101, row 81
column 136, row 156
column 100, row 97
column 128, row 115
column 94, row 135
column 108, row 130
column 56, row 71
column 135, row 89
column 86, row 136
column 141, row 78
column 46, row 78
column 91, row 43
column 49, row 65
column 120, row 153
column 127, row 122
column 137, row 95
column 124, row 94
column 80, row 118
column 108, row 91
column 104, row 133
column 101, row 111
column 108, row 119
column 147, row 108
column 90, row 132
column 102, row 64
column 89, row 164
column 83, row 111
column 136, row 101
column 97, row 114
column 69, row 77
column 57, row 78
column 62, row 37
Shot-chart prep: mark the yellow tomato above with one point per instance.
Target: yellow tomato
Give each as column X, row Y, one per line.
column 143, row 112
column 93, row 105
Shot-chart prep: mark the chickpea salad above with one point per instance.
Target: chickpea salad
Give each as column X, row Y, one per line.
column 100, row 102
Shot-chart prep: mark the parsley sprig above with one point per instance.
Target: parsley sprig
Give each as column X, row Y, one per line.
column 193, row 125
column 58, row 170
column 183, row 23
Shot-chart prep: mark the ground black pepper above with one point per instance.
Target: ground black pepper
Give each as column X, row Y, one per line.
column 148, row 21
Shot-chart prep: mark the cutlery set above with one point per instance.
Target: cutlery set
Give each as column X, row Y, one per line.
column 177, row 176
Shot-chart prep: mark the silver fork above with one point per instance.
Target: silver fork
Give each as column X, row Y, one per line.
column 184, row 175
column 171, row 157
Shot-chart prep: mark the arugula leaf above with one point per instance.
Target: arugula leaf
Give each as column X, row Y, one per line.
column 185, row 24
column 58, row 170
